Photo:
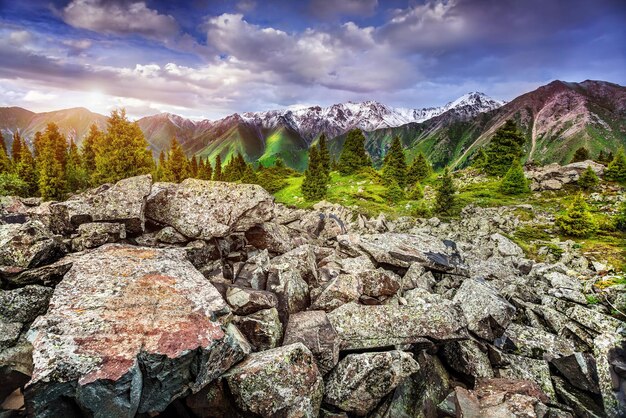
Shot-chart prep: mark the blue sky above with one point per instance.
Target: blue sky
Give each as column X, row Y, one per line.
column 211, row 58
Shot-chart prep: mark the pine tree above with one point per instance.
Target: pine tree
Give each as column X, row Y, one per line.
column 576, row 221
column 480, row 160
column 394, row 192
column 193, row 167
column 75, row 173
column 235, row 168
column 27, row 171
column 504, row 148
column 159, row 170
column 207, row 170
column 394, row 164
column 445, row 198
column 89, row 149
column 16, row 149
column 249, row 176
column 588, row 179
column 50, row 171
column 5, row 162
column 353, row 155
column 315, row 180
column 419, row 170
column 417, row 192
column 217, row 172
column 514, row 181
column 581, row 154
column 123, row 152
column 324, row 155
column 176, row 166
column 616, row 169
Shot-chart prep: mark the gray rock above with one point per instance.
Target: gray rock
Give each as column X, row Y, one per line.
column 291, row 290
column 607, row 348
column 314, row 330
column 580, row 371
column 360, row 381
column 28, row 245
column 524, row 368
column 402, row 250
column 468, row 357
column 170, row 235
column 245, row 301
column 49, row 275
column 270, row 236
column 16, row 366
column 581, row 403
column 534, row 343
column 487, row 313
column 24, row 304
column 95, row 234
column 206, row 209
column 339, row 291
column 506, row 247
column 300, row 260
column 253, row 272
column 9, row 333
column 123, row 202
column 281, row 382
column 128, row 343
column 262, row 329
column 361, row 326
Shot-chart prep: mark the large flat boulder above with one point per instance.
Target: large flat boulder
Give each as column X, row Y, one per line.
column 402, row 250
column 371, row 326
column 122, row 202
column 128, row 330
column 207, row 209
column 282, row 382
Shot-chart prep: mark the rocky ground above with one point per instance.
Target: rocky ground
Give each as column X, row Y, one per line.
column 206, row 299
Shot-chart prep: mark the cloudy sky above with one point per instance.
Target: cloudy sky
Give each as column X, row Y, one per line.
column 210, row 58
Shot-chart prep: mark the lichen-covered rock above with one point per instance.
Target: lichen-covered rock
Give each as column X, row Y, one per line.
column 270, row 236
column 314, row 330
column 402, row 250
column 519, row 367
column 506, row 247
column 129, row 329
column 262, row 329
column 28, row 245
column 281, row 382
column 339, row 291
column 534, row 342
column 95, row 234
column 610, row 351
column 301, row 260
column 245, row 301
column 360, row 381
column 48, row 275
column 291, row 289
column 16, row 366
column 206, row 209
column 580, row 371
column 361, row 326
column 253, row 272
column 122, row 202
column 487, row 313
column 170, row 235
column 468, row 357
column 24, row 304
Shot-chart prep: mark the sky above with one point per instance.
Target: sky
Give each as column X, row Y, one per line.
column 211, row 58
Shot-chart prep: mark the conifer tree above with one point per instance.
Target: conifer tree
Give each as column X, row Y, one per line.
column 588, row 179
column 89, row 149
column 616, row 169
column 279, row 163
column 123, row 151
column 353, row 155
column 193, row 167
column 37, row 144
column 514, row 181
column 315, row 180
column 176, row 166
column 159, row 170
column 576, row 221
column 207, row 170
column 394, row 164
column 620, row 219
column 419, row 170
column 417, row 192
column 445, row 198
column 5, row 162
column 581, row 154
column 235, row 168
column 324, row 155
column 27, row 171
column 217, row 171
column 16, row 149
column 50, row 171
column 394, row 192
column 75, row 173
column 480, row 160
column 249, row 175
column 504, row 148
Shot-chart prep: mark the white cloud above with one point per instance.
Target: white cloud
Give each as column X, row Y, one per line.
column 20, row 37
column 119, row 18
column 38, row 96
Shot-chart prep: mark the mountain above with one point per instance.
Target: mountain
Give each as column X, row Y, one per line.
column 556, row 119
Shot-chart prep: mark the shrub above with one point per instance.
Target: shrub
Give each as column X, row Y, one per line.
column 514, row 182
column 422, row 210
column 12, row 185
column 620, row 219
column 394, row 193
column 417, row 192
column 616, row 170
column 576, row 221
column 588, row 179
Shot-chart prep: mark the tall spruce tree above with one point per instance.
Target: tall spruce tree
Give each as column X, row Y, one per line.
column 50, row 170
column 588, row 179
column 235, row 168
column 324, row 154
column 27, row 171
column 419, row 170
column 89, row 149
column 75, row 173
column 159, row 170
column 207, row 170
column 353, row 155
column 193, row 167
column 176, row 166
column 217, row 171
column 315, row 181
column 504, row 148
column 514, row 181
column 576, row 221
column 123, row 151
column 394, row 164
column 5, row 161
column 445, row 197
column 16, row 149
column 480, row 160
column 616, row 169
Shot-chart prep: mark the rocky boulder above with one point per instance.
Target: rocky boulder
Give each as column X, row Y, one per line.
column 206, row 209
column 28, row 245
column 282, row 382
column 360, row 381
column 554, row 176
column 145, row 329
column 122, row 202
